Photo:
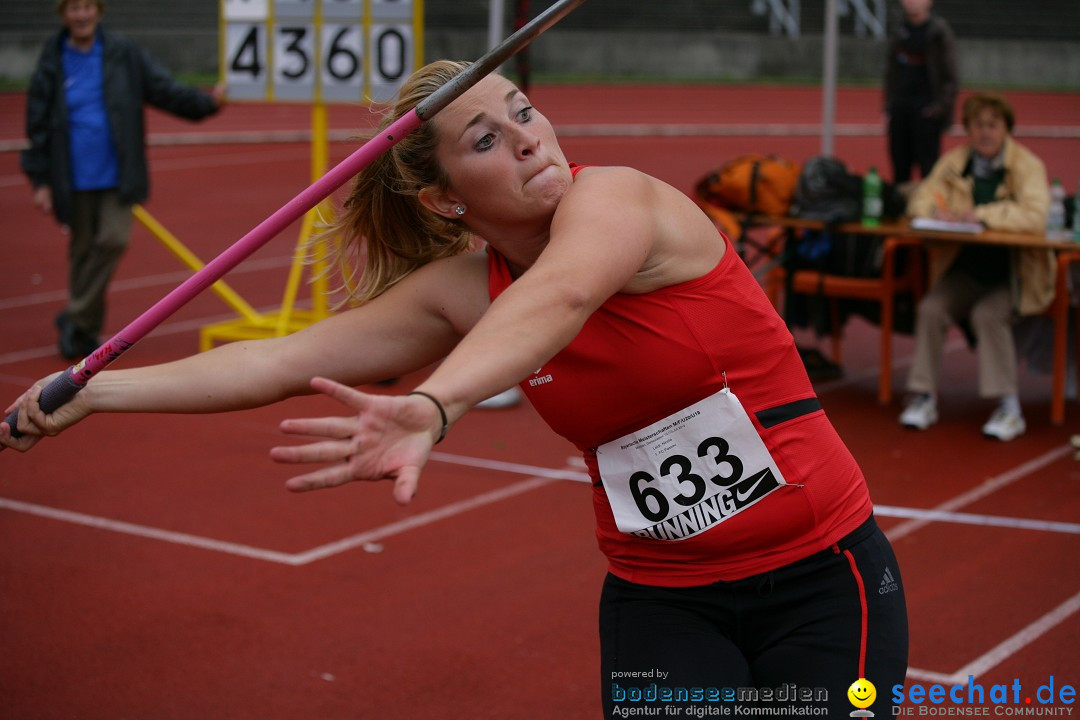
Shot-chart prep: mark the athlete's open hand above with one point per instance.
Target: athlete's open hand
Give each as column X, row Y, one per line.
column 389, row 438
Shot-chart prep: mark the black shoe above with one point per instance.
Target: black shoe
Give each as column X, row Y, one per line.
column 85, row 343
column 67, row 344
column 74, row 343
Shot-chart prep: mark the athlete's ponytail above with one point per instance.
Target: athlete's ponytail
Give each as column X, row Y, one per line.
column 383, row 232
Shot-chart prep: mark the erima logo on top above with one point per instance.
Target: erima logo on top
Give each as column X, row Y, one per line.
column 540, row 379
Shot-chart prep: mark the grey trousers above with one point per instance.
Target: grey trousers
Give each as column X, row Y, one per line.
column 100, row 232
column 989, row 311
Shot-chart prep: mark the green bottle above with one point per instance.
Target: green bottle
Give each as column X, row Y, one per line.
column 872, row 204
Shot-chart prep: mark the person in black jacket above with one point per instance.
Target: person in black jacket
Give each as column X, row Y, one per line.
column 920, row 88
column 87, row 154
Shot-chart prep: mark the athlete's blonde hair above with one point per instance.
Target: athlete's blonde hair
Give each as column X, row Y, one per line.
column 383, row 232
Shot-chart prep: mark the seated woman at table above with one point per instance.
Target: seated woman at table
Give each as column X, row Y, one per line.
column 995, row 181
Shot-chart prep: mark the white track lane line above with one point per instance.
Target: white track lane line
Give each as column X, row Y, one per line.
column 1005, row 649
column 539, row 476
column 545, row 476
column 295, row 559
column 594, row 130
column 974, row 519
column 677, row 130
column 171, row 279
column 980, row 491
column 161, row 280
column 416, row 521
column 168, row 328
column 127, row 528
column 942, row 513
column 516, row 468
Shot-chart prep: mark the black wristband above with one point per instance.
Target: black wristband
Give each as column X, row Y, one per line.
column 442, row 413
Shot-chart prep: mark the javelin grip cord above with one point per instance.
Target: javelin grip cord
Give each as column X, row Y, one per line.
column 53, row 396
column 67, row 384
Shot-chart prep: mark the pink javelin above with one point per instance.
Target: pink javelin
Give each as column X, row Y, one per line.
column 67, row 384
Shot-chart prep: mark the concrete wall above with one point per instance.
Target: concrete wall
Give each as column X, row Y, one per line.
column 193, row 51
column 665, row 54
column 711, row 55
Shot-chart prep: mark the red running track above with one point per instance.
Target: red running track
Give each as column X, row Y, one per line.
column 153, row 567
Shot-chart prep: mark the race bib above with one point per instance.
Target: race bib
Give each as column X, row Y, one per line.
column 687, row 473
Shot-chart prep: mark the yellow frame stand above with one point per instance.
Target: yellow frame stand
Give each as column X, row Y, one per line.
column 288, row 318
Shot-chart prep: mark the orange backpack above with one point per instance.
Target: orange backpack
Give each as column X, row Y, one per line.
column 723, row 219
column 751, row 184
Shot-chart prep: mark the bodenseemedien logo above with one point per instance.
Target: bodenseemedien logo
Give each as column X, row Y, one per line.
column 658, row 698
column 862, row 695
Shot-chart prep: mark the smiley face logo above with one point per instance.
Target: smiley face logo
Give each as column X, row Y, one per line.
column 862, row 693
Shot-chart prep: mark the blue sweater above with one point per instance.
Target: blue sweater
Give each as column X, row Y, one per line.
column 130, row 79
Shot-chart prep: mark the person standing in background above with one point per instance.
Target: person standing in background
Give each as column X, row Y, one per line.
column 87, row 154
column 920, row 88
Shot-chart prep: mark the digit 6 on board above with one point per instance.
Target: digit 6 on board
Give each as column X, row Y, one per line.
column 641, row 496
column 340, row 55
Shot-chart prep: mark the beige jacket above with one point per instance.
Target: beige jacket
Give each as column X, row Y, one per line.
column 1022, row 202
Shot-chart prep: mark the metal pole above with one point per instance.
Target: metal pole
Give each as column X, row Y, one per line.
column 495, row 23
column 828, row 91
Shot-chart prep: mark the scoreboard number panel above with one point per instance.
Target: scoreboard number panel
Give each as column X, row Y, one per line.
column 390, row 55
column 392, row 9
column 256, row 10
column 348, row 9
column 246, row 62
column 318, row 50
column 295, row 61
column 342, row 62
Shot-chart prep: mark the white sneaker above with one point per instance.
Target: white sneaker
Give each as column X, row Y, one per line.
column 505, row 399
column 920, row 413
column 1005, row 425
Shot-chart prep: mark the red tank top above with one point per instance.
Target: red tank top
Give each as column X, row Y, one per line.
column 642, row 358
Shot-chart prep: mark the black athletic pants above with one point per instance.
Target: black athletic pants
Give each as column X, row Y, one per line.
column 913, row 140
column 810, row 628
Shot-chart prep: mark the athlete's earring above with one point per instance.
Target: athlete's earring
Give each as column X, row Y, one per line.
column 460, row 210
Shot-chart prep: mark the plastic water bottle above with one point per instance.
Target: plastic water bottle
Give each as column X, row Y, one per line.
column 1055, row 218
column 872, row 204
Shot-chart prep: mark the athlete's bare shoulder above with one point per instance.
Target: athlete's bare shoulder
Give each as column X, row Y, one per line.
column 455, row 287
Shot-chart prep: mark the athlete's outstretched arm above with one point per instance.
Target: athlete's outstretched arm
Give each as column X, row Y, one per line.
column 408, row 327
